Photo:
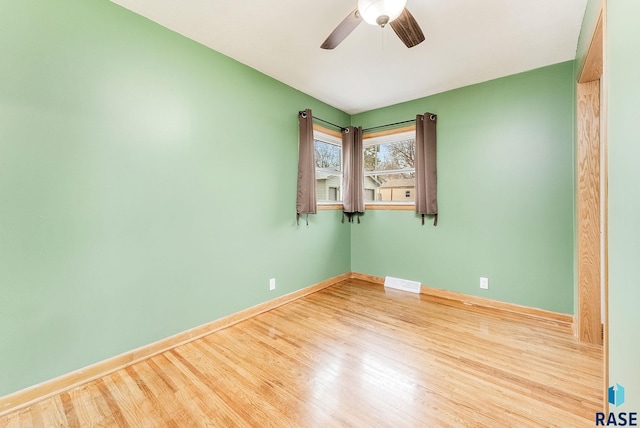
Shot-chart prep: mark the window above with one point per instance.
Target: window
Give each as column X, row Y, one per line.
column 333, row 193
column 328, row 156
column 389, row 173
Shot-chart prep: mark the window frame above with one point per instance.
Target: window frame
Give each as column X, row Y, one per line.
column 387, row 137
column 372, row 139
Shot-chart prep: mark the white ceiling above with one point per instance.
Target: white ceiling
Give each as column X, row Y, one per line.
column 467, row 42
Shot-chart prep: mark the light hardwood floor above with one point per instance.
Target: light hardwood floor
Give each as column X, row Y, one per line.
column 353, row 354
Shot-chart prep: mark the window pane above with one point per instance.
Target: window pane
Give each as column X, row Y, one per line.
column 390, row 187
column 328, row 186
column 327, row 155
column 389, row 171
column 328, row 171
column 390, row 156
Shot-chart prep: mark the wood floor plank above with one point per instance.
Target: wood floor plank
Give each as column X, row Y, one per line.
column 69, row 410
column 49, row 411
column 193, row 397
column 115, row 415
column 232, row 413
column 87, row 413
column 354, row 354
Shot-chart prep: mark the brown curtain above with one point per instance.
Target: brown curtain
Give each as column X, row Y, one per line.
column 306, row 199
column 353, row 173
column 426, row 169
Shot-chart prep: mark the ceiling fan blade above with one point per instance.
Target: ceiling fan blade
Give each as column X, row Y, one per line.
column 342, row 30
column 407, row 28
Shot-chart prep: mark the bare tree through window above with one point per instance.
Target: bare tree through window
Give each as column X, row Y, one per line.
column 327, row 155
column 391, row 165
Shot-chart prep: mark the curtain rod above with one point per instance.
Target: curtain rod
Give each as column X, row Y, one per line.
column 432, row 117
column 304, row 114
column 388, row 124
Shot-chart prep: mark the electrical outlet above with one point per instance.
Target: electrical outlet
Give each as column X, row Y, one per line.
column 484, row 283
column 272, row 284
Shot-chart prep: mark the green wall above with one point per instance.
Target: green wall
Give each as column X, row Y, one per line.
column 147, row 186
column 505, row 193
column 621, row 80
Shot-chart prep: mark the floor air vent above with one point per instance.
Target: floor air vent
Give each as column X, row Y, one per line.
column 402, row 284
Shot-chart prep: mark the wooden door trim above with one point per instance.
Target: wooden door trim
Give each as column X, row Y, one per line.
column 588, row 212
column 593, row 63
column 593, row 69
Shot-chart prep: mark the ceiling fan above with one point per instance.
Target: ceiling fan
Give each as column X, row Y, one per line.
column 379, row 12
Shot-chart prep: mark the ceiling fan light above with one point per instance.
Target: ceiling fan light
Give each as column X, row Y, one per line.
column 374, row 11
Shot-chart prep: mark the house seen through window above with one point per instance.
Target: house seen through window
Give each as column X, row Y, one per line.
column 389, row 172
column 328, row 157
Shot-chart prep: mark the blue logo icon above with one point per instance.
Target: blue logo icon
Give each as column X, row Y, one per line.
column 616, row 395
